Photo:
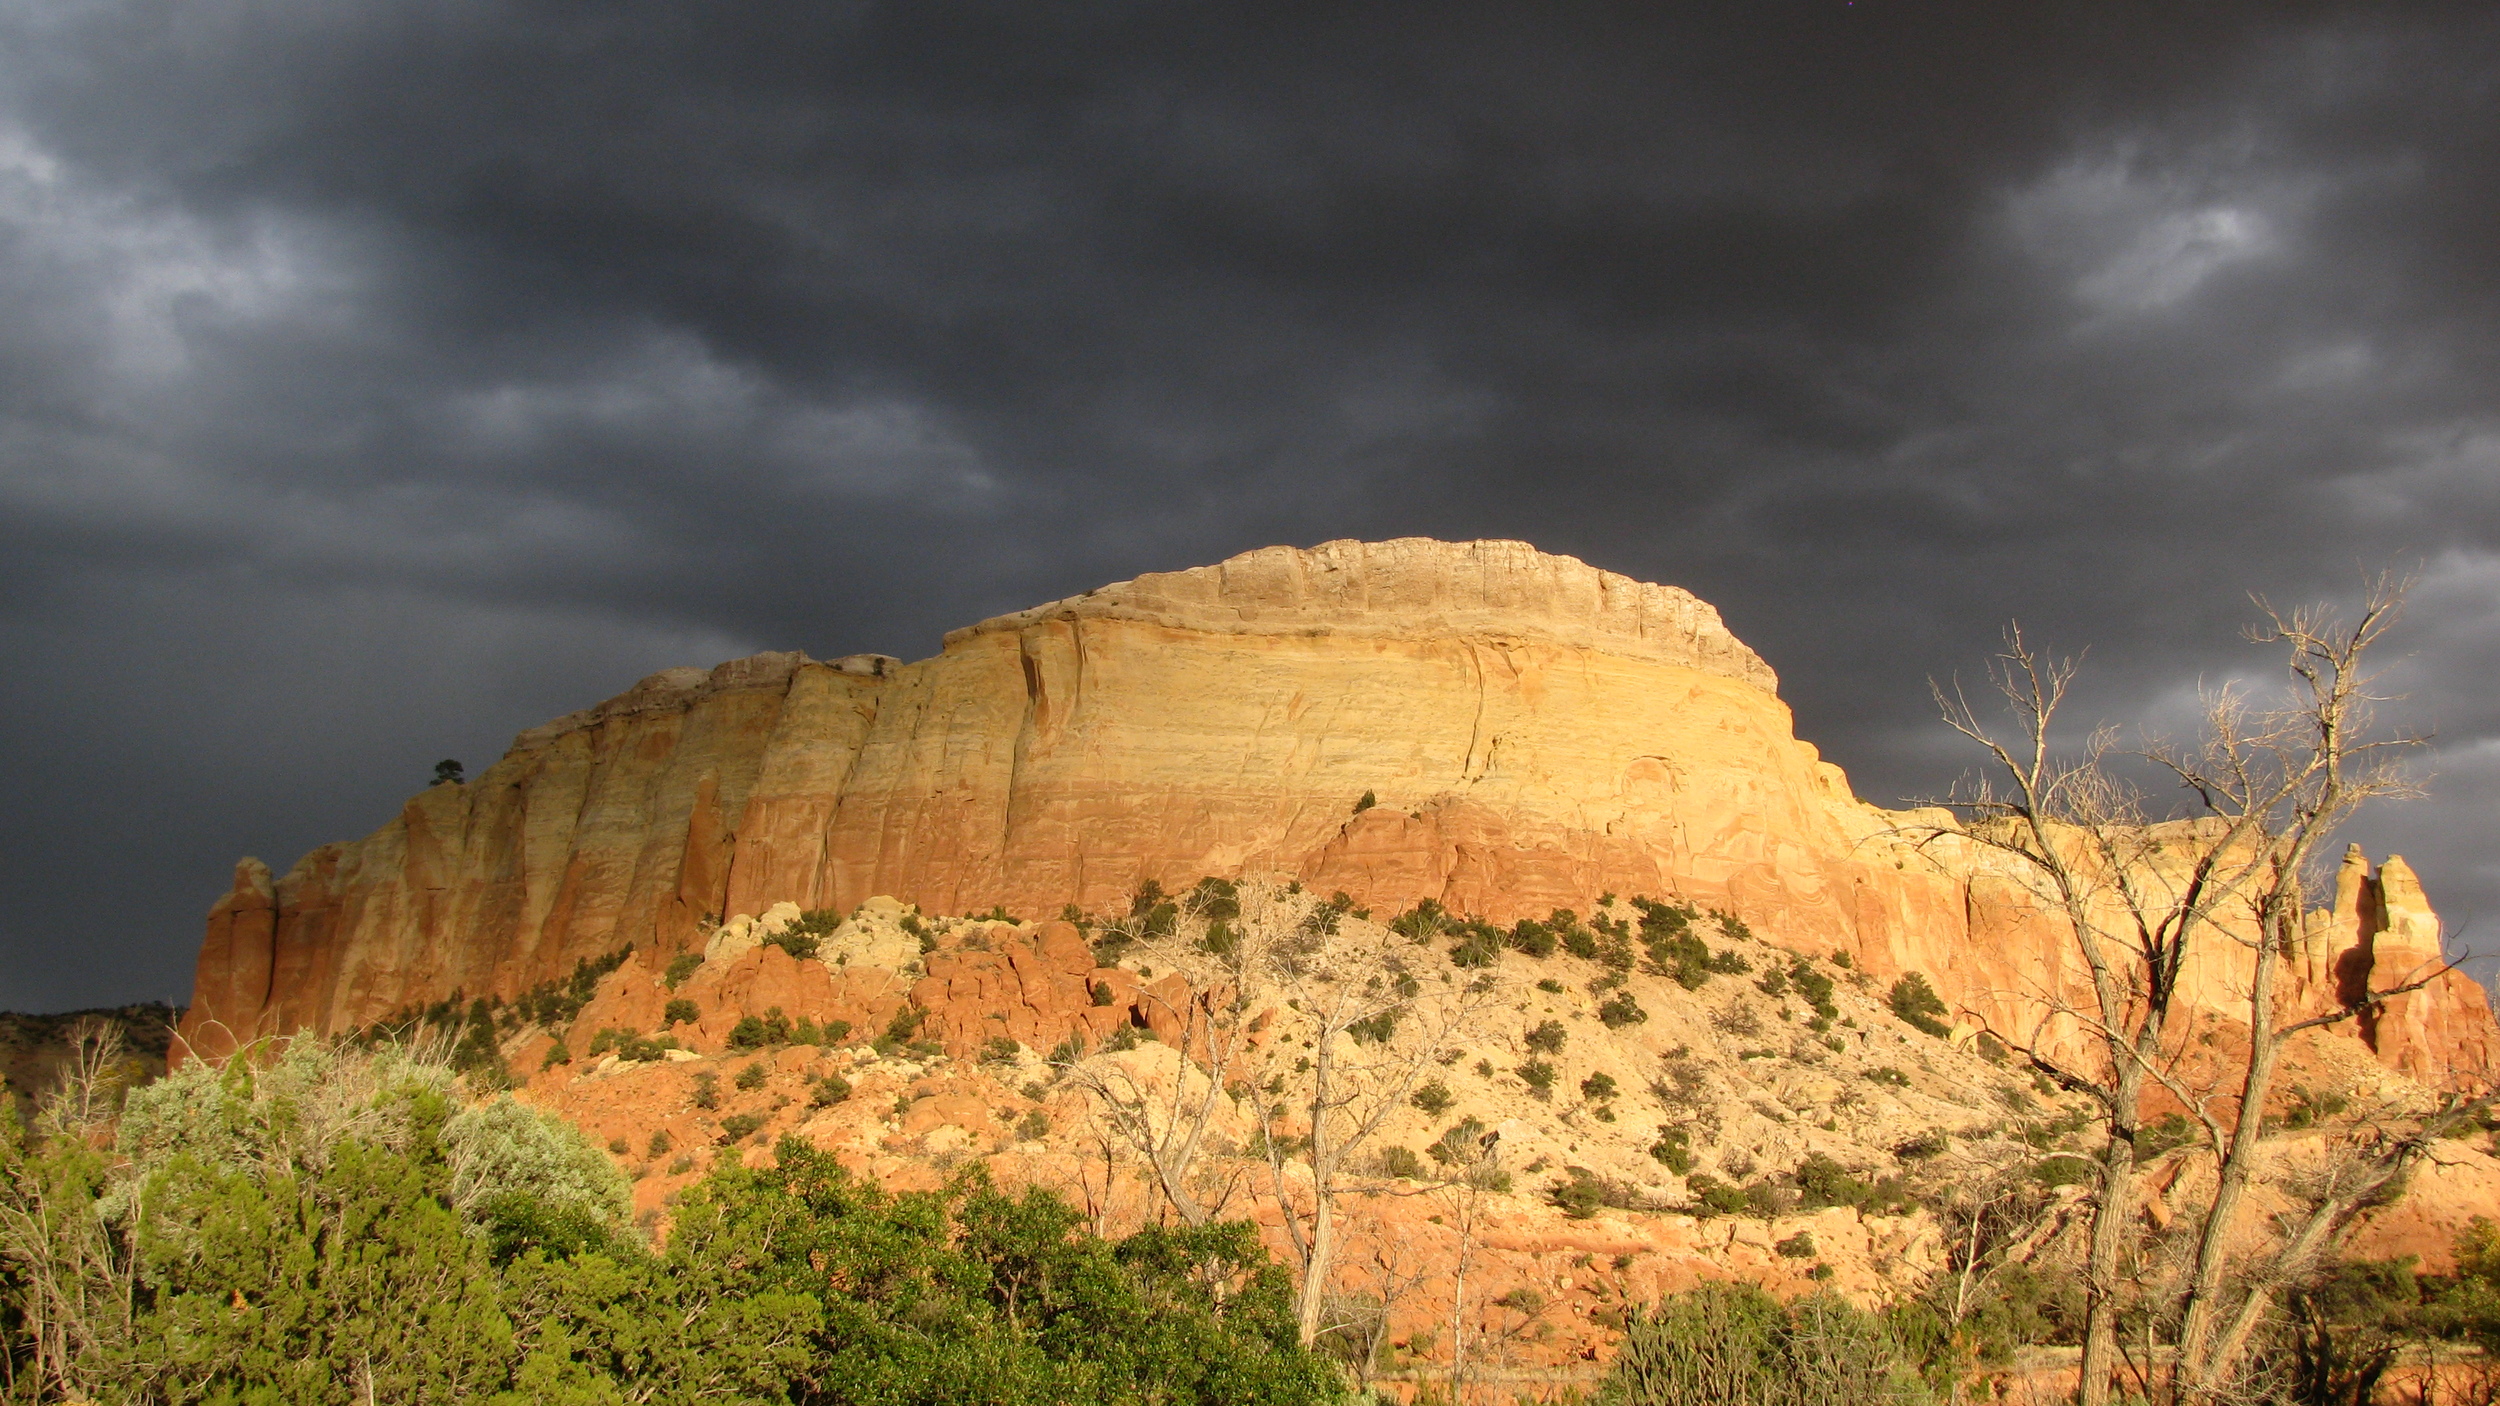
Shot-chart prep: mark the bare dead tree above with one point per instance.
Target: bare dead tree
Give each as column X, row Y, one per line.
column 1353, row 1027
column 2142, row 893
column 1207, row 963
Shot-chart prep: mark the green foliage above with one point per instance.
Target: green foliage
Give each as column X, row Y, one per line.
column 661, row 1144
column 1712, row 1197
column 1376, row 1028
column 340, row 1227
column 1888, row 1076
column 1920, row 1148
column 806, row 934
column 1034, row 1126
column 1532, row 938
column 706, row 1089
column 1422, row 923
column 1731, row 1344
column 1366, row 802
column 1821, row 1182
column 1546, row 1038
column 680, row 1012
column 1216, row 900
column 1917, row 1005
column 630, row 1044
column 1620, row 1010
column 2065, row 1169
column 681, row 966
column 1538, row 1074
column 900, row 1028
column 1799, row 1246
column 1598, row 1087
column 1479, row 945
column 1460, row 1144
column 757, row 1032
column 1815, row 987
column 751, row 1078
column 1549, row 985
column 1673, row 1149
column 1675, row 951
column 1398, row 1160
column 738, row 1127
column 1579, row 1195
column 1433, row 1097
column 554, row 1003
column 827, row 1091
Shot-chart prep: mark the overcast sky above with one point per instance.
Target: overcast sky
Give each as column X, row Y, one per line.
column 379, row 380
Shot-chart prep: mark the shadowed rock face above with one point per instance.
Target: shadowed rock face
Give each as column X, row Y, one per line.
column 1535, row 732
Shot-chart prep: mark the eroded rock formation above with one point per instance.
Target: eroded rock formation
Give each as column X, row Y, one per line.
column 1535, row 732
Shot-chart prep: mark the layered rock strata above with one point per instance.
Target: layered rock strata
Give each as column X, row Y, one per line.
column 1534, row 732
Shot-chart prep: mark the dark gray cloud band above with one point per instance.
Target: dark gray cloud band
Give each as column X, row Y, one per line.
column 378, row 380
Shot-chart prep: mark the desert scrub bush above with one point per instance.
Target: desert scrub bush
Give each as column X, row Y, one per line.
column 680, row 1012
column 1549, row 986
column 1479, row 944
column 681, row 966
column 738, row 1127
column 1538, row 1075
column 1799, row 1246
column 751, row 1078
column 899, row 1029
column 1397, row 1160
column 1888, row 1076
column 1920, row 1148
column 2064, row 1169
column 660, row 1145
column 1460, row 1144
column 1530, row 938
column 1433, row 1097
column 806, row 934
column 557, row 1002
column 706, row 1089
column 1673, row 1149
column 1422, row 923
column 827, row 1091
column 756, row 1032
column 1375, row 1029
column 1620, row 1010
column 1736, row 1018
column 1034, row 1126
column 1598, row 1087
column 1916, row 1004
column 1583, row 1193
column 1545, row 1038
column 1815, row 987
column 999, row 1049
column 1821, row 1182
column 629, row 1044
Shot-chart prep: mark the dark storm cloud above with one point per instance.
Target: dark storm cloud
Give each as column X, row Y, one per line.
column 378, row 380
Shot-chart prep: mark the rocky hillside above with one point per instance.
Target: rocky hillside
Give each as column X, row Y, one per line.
column 1730, row 1015
column 1493, row 728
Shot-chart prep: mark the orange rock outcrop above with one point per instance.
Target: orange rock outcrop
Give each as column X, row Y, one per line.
column 1535, row 732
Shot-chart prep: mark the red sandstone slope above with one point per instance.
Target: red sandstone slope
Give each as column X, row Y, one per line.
column 1536, row 732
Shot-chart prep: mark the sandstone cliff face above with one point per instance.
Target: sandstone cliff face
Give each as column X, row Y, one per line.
column 1535, row 732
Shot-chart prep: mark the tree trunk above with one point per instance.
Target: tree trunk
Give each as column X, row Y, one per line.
column 1323, row 1251
column 2198, row 1366
column 2112, row 1214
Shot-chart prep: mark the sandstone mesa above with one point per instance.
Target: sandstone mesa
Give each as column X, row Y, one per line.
column 1537, row 734
column 1536, row 731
